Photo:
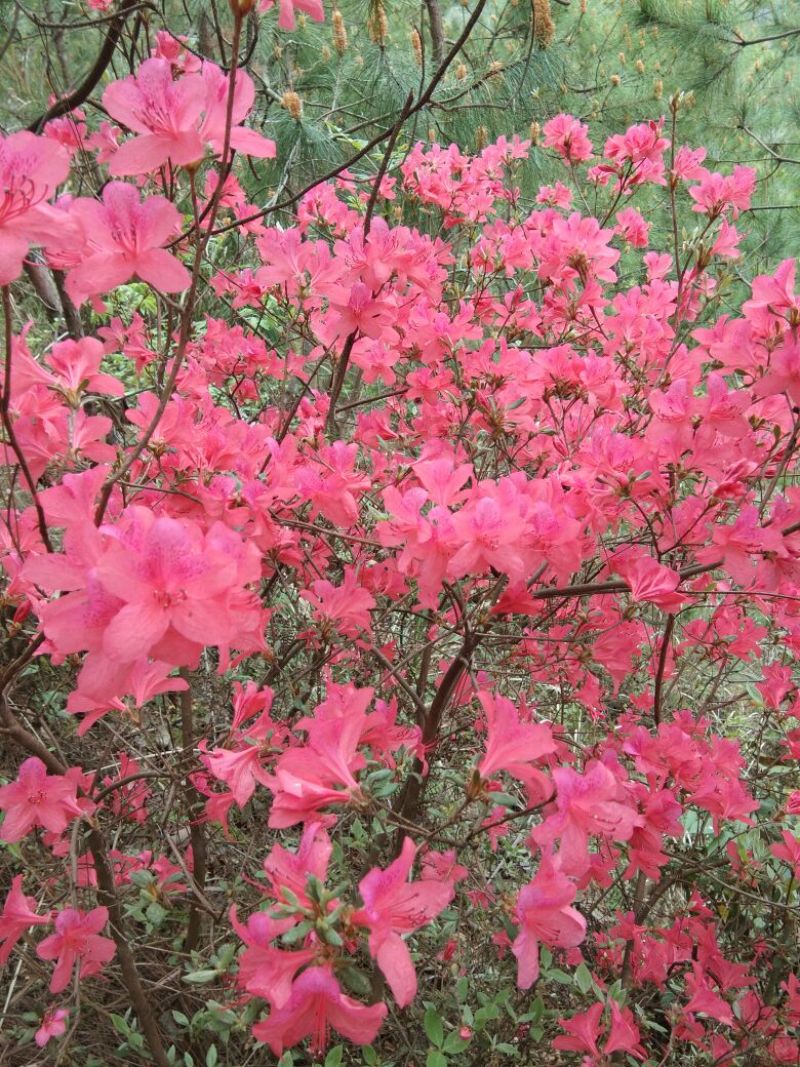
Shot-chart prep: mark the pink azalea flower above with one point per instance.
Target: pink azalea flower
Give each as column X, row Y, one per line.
column 394, row 906
column 789, row 851
column 291, row 870
column 239, row 770
column 31, row 168
column 345, row 607
column 652, row 582
column 586, row 804
column 77, row 942
column 37, row 798
column 169, row 576
column 511, row 743
column 286, row 19
column 311, row 777
column 176, row 117
column 583, row 1030
column 569, row 137
column 716, row 193
column 703, row 999
column 623, row 1033
column 545, row 915
column 212, row 130
column 54, row 1022
column 264, row 970
column 18, row 916
column 316, row 1006
column 163, row 111
column 123, row 238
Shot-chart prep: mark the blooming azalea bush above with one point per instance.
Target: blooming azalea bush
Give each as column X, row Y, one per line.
column 400, row 602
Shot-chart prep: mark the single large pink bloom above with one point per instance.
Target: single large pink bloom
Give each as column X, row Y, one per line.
column 265, row 970
column 123, row 238
column 166, row 575
column 239, row 770
column 37, row 799
column 395, row 906
column 511, row 743
column 176, row 119
column 310, row 777
column 31, row 168
column 53, row 1024
column 286, row 8
column 584, row 1029
column 17, row 917
column 212, row 130
column 291, row 870
column 586, row 804
column 77, row 941
column 164, row 112
column 316, row 1006
column 545, row 915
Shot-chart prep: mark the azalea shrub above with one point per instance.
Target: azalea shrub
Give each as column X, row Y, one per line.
column 400, row 598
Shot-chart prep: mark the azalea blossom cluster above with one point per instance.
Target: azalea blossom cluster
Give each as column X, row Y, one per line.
column 449, row 532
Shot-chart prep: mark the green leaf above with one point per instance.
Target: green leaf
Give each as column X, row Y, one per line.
column 155, row 913
column 485, row 1015
column 369, row 1055
column 180, row 1018
column 583, row 978
column 355, row 980
column 334, row 1057
column 537, row 1011
column 453, row 1043
column 435, row 1059
column 142, row 879
column 120, row 1025
column 617, row 991
column 200, row 977
column 211, row 1057
column 433, row 1027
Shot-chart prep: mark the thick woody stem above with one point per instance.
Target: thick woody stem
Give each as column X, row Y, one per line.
column 198, row 837
column 410, row 800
